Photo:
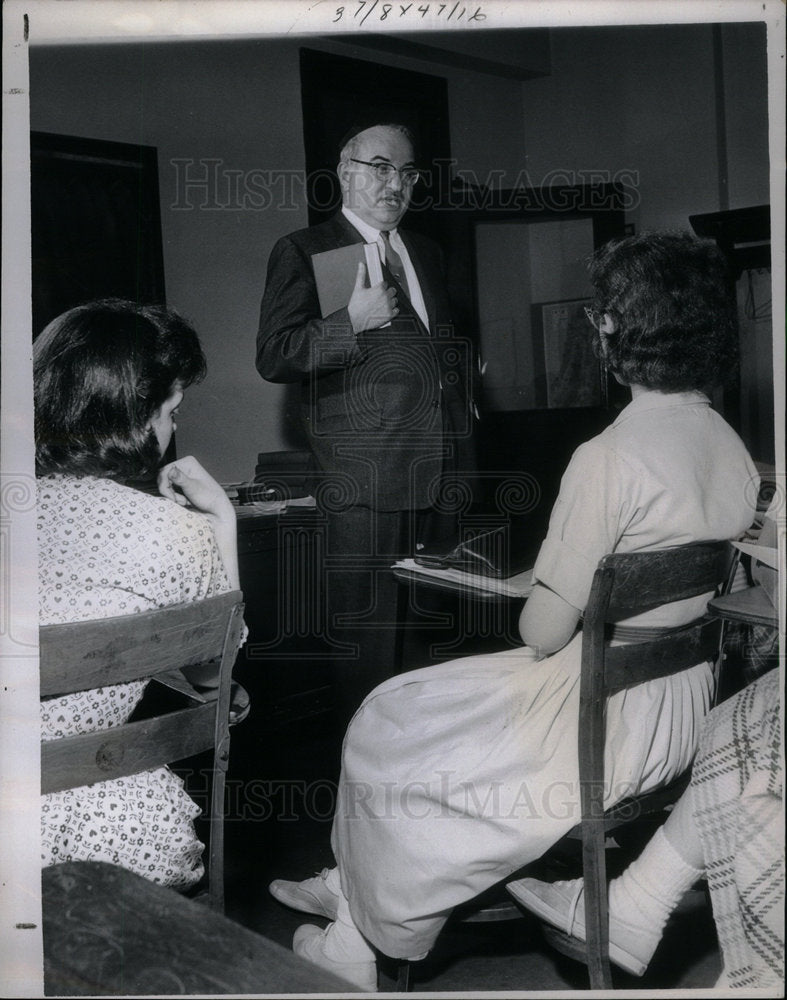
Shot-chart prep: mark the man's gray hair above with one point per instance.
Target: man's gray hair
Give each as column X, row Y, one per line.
column 350, row 148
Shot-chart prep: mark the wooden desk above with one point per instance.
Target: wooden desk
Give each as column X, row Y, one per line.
column 750, row 652
column 490, row 589
column 108, row 932
column 750, row 606
column 448, row 618
column 284, row 665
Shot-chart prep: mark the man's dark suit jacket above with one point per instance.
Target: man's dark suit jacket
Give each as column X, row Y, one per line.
column 389, row 411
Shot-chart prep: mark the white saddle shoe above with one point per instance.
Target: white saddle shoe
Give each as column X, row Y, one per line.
column 313, row 895
column 562, row 904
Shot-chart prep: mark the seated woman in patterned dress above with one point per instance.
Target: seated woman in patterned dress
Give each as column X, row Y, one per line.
column 456, row 775
column 109, row 377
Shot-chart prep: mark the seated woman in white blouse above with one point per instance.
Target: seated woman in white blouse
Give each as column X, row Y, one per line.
column 456, row 775
column 109, row 377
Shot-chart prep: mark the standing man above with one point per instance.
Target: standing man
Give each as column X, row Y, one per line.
column 385, row 395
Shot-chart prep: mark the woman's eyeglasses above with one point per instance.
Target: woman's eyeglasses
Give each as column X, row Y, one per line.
column 596, row 318
column 385, row 171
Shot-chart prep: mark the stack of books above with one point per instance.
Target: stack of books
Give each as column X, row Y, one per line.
column 278, row 476
column 282, row 475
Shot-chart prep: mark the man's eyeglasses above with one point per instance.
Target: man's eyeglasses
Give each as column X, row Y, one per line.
column 385, row 171
column 596, row 318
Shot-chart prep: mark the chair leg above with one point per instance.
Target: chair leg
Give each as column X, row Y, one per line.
column 403, row 976
column 216, row 844
column 596, row 908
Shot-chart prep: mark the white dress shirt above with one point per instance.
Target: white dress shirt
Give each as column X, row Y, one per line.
column 372, row 235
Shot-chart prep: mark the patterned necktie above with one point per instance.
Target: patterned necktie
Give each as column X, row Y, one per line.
column 394, row 263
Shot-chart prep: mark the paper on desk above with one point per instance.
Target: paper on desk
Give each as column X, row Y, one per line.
column 277, row 506
column 519, row 585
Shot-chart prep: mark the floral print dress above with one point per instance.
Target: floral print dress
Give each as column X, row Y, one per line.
column 105, row 549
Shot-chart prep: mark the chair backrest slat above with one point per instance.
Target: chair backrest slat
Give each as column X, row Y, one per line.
column 645, row 580
column 86, row 655
column 128, row 749
column 632, row 664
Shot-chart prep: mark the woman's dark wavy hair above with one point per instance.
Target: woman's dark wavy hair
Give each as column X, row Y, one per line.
column 672, row 300
column 101, row 371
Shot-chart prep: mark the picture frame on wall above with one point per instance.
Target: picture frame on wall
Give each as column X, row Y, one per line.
column 526, row 315
column 568, row 373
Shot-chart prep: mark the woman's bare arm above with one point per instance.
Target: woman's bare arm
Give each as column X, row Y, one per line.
column 547, row 622
column 185, row 481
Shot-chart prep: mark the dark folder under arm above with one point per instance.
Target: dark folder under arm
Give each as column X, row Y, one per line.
column 335, row 272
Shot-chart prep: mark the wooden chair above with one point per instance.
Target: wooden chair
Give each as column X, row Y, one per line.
column 92, row 654
column 624, row 585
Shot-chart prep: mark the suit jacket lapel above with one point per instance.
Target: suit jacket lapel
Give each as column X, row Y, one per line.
column 346, row 231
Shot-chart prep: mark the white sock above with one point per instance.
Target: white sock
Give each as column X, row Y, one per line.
column 343, row 941
column 652, row 886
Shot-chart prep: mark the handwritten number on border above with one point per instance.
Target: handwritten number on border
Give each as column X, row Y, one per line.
column 366, row 8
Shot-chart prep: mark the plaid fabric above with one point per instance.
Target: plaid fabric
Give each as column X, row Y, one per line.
column 737, row 783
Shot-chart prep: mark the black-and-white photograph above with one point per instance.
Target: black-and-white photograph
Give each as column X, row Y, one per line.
column 393, row 498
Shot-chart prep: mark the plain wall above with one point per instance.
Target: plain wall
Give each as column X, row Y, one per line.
column 643, row 101
column 745, row 83
column 617, row 99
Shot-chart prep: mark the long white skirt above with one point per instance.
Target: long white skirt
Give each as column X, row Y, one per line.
column 456, row 775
